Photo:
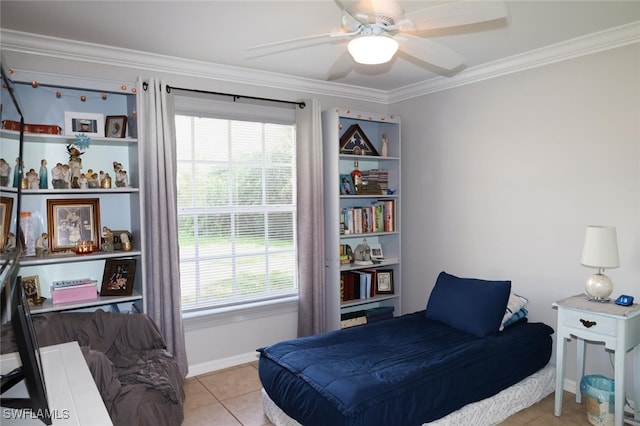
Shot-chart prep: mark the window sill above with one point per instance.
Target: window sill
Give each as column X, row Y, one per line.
column 226, row 315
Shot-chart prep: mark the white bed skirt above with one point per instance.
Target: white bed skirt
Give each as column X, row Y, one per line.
column 489, row 411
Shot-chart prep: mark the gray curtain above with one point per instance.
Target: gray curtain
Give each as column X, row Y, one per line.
column 160, row 215
column 310, row 220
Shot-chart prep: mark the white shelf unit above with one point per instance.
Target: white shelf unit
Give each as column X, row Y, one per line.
column 120, row 208
column 335, row 122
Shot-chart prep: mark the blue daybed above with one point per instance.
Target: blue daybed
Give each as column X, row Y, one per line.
column 414, row 369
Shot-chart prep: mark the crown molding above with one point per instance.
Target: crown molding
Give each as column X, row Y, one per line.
column 45, row 46
column 592, row 43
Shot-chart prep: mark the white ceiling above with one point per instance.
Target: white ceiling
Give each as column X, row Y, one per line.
column 221, row 31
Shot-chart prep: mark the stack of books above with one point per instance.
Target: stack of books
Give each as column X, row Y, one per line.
column 70, row 291
column 378, row 177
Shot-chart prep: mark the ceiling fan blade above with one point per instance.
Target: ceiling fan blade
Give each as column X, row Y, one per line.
column 429, row 51
column 341, row 67
column 453, row 15
column 294, row 41
column 349, row 23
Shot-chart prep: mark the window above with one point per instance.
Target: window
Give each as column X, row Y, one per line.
column 236, row 205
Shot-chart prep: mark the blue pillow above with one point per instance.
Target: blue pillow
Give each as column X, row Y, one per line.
column 468, row 304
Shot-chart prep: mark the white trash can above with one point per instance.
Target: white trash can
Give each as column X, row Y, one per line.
column 599, row 396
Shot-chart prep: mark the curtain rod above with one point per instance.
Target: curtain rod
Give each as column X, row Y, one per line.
column 236, row 97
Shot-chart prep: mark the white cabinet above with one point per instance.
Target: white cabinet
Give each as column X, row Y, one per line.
column 120, row 208
column 341, row 302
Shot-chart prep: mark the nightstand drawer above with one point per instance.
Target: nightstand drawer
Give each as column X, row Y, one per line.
column 594, row 323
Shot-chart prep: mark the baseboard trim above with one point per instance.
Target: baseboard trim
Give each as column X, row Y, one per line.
column 221, row 364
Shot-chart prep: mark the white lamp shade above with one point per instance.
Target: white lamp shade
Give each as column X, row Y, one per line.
column 600, row 248
column 372, row 49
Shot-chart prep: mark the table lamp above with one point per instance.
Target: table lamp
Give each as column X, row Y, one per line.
column 600, row 252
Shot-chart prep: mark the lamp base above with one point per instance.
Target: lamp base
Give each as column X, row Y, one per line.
column 598, row 299
column 598, row 288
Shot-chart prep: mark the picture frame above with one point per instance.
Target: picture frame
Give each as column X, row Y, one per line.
column 118, row 278
column 346, row 185
column 354, row 141
column 71, row 220
column 376, row 251
column 115, row 126
column 384, row 281
column 6, row 211
column 83, row 123
column 31, row 289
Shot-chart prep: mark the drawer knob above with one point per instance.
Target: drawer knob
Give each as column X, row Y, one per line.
column 587, row 323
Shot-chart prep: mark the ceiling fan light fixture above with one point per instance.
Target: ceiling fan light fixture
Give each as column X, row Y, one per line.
column 372, row 49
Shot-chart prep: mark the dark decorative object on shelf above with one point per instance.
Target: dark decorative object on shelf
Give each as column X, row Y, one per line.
column 354, row 141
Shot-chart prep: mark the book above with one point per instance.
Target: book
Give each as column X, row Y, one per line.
column 351, row 319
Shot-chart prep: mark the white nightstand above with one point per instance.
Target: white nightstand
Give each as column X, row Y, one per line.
column 617, row 326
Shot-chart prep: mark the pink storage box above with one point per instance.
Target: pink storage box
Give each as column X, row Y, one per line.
column 78, row 293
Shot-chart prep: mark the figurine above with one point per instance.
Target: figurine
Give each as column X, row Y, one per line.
column 75, row 164
column 42, row 245
column 44, row 178
column 83, row 182
column 106, row 182
column 17, row 172
column 32, row 179
column 5, row 169
column 385, row 146
column 122, row 180
column 93, row 181
column 107, row 235
column 57, row 177
column 66, row 175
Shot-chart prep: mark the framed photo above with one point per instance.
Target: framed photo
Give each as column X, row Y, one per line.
column 376, row 251
column 31, row 288
column 76, row 123
column 6, row 210
column 115, row 126
column 118, row 278
column 384, row 281
column 346, row 185
column 355, row 142
column 70, row 221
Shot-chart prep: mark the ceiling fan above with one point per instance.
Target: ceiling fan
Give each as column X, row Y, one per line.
column 377, row 29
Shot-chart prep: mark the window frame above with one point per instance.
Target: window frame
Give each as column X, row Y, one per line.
column 240, row 111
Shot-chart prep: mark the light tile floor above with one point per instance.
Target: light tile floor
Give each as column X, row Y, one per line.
column 232, row 397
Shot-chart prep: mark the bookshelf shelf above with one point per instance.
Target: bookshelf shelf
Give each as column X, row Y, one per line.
column 48, row 305
column 386, row 172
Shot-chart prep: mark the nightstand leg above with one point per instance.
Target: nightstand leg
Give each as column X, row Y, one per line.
column 561, row 343
column 619, row 384
column 580, row 367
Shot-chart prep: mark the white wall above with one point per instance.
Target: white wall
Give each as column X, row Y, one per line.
column 501, row 177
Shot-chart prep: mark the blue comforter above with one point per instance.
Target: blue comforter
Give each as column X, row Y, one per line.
column 407, row 370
